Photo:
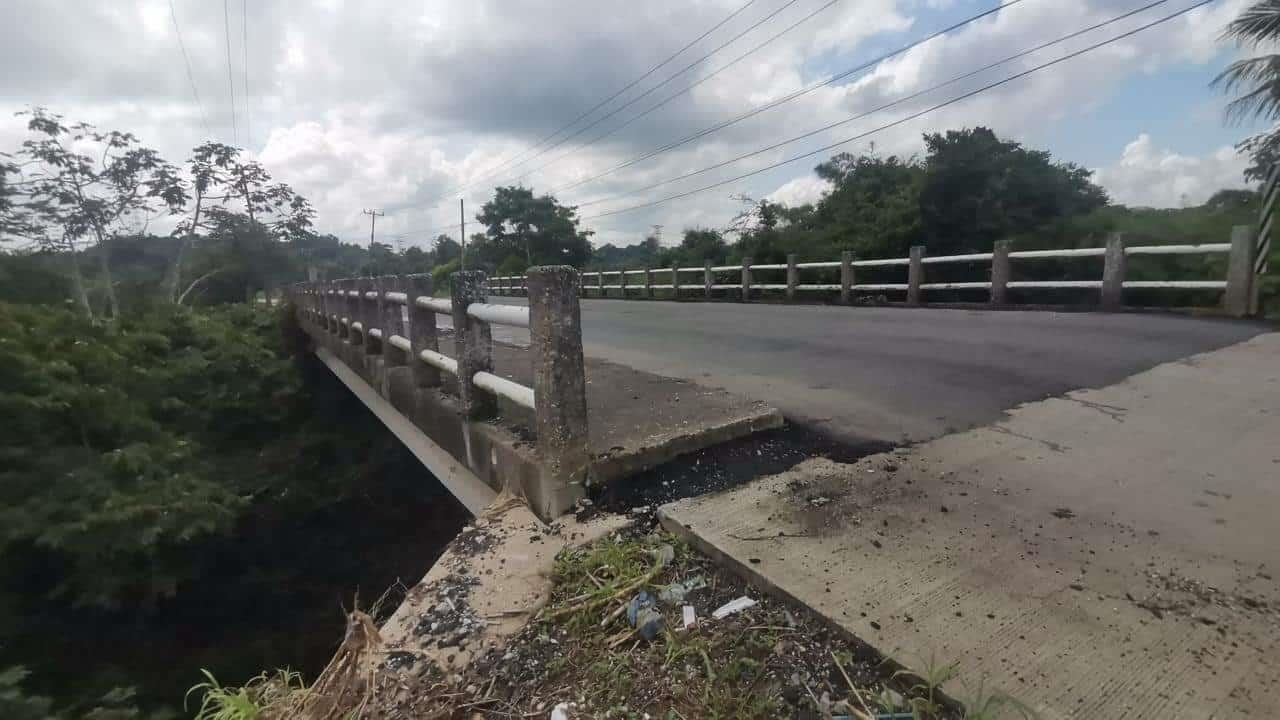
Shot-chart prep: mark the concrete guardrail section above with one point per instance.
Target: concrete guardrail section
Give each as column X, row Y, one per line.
column 1237, row 288
column 362, row 322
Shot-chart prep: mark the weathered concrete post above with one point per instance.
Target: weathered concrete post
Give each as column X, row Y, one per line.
column 746, row 279
column 675, row 283
column 392, row 320
column 422, row 331
column 915, row 274
column 371, row 315
column 340, row 306
column 600, row 282
column 559, row 386
column 1113, row 271
column 648, row 283
column 353, row 313
column 622, row 282
column 708, row 279
column 333, row 307
column 846, row 277
column 474, row 344
column 1237, row 300
column 364, row 312
column 793, row 277
column 1000, row 273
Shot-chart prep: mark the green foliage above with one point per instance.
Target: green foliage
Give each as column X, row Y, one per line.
column 537, row 228
column 440, row 276
column 978, row 188
column 15, row 704
column 248, row 702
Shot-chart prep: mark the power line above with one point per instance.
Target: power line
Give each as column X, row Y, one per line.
column 886, row 106
column 231, row 83
column 639, row 97
column 244, row 26
column 902, row 120
column 630, row 85
column 191, row 78
column 678, row 93
column 784, row 99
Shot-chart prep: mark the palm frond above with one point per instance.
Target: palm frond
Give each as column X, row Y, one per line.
column 1259, row 79
column 1259, row 23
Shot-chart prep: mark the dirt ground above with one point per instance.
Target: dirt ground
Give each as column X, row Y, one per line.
column 580, row 657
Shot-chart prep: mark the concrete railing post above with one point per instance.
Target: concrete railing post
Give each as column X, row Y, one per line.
column 675, row 283
column 648, row 283
column 340, row 306
column 332, row 308
column 365, row 313
column 1238, row 299
column 622, row 282
column 846, row 277
column 559, row 385
column 372, row 316
column 1113, row 272
column 708, row 279
column 793, row 278
column 600, row 282
column 915, row 274
column 392, row 319
column 422, row 331
column 474, row 344
column 1000, row 273
column 746, row 279
column 353, row 312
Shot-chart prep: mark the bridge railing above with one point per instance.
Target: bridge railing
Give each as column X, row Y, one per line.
column 915, row 287
column 371, row 313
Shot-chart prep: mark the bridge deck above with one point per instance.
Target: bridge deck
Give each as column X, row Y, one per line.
column 637, row 419
column 1110, row 553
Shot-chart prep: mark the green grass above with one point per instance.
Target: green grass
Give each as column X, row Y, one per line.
column 252, row 701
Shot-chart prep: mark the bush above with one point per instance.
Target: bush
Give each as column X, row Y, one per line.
column 440, row 277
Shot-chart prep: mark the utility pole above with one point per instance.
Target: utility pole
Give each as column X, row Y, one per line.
column 462, row 217
column 373, row 221
column 657, row 234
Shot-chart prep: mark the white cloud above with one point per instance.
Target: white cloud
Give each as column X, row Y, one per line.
column 395, row 105
column 801, row 190
column 1148, row 176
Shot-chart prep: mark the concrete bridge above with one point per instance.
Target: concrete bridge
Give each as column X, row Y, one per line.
column 1079, row 509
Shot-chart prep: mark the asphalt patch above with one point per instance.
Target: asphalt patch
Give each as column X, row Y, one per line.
column 731, row 464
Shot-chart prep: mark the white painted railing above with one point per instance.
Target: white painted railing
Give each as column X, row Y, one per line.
column 999, row 281
column 378, row 302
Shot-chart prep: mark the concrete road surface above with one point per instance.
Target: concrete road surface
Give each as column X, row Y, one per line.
column 1106, row 554
column 888, row 373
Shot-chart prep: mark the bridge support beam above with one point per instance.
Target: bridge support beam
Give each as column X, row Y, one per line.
column 559, row 385
column 1237, row 300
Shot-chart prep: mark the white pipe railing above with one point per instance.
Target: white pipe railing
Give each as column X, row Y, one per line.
column 513, row 391
column 1112, row 285
column 513, row 315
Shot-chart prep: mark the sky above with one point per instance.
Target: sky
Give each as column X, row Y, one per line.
column 408, row 107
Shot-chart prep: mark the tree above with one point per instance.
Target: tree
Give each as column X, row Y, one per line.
column 536, row 227
column 1255, row 82
column 87, row 184
column 445, row 249
column 978, row 189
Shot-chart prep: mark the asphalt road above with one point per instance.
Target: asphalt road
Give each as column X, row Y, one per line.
column 889, row 373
